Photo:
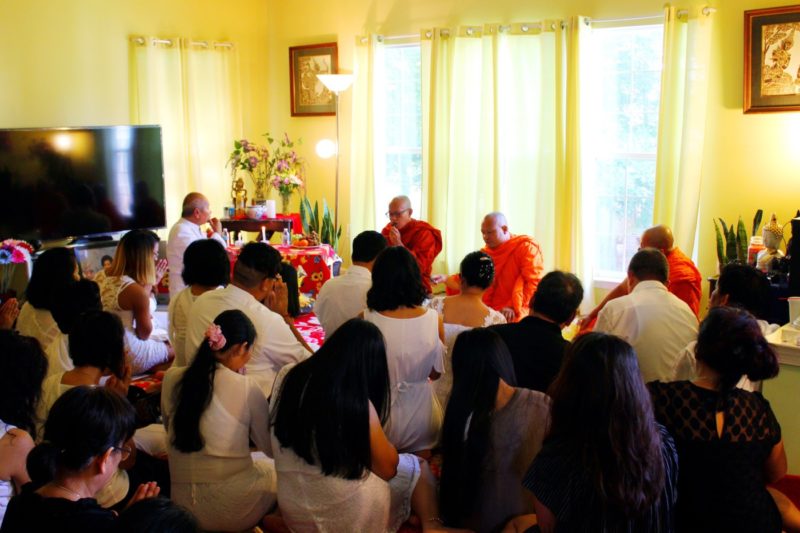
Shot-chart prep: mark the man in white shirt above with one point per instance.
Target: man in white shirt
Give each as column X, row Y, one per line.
column 255, row 280
column 654, row 321
column 195, row 213
column 344, row 297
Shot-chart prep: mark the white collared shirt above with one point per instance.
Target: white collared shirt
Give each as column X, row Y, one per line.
column 343, row 298
column 275, row 344
column 656, row 323
column 181, row 235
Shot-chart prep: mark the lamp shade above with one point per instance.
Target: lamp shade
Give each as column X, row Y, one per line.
column 337, row 82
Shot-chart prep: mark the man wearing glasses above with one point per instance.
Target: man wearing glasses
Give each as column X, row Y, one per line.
column 420, row 238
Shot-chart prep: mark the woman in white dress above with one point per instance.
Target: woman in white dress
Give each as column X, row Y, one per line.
column 205, row 267
column 54, row 269
column 211, row 412
column 464, row 311
column 126, row 292
column 71, row 301
column 97, row 351
column 336, row 469
column 22, row 369
column 414, row 349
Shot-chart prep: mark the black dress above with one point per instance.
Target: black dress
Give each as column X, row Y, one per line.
column 30, row 511
column 721, row 486
column 560, row 483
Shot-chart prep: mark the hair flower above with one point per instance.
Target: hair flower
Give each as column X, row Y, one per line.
column 216, row 340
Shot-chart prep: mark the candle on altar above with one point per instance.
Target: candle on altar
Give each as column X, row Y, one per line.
column 263, row 234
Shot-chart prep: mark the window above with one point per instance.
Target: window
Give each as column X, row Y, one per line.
column 399, row 170
column 623, row 94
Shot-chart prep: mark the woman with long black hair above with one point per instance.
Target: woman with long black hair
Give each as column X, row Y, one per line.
column 492, row 431
column 606, row 464
column 211, row 412
column 337, row 471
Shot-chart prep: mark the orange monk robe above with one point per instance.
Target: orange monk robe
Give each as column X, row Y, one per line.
column 685, row 280
column 424, row 242
column 518, row 268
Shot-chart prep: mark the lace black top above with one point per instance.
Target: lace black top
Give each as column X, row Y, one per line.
column 721, row 484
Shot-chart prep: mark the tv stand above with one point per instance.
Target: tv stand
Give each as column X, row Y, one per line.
column 77, row 241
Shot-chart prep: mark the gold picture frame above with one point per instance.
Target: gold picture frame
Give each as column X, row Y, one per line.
column 772, row 59
column 308, row 95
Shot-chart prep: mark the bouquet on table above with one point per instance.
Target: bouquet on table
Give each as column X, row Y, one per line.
column 12, row 254
column 285, row 169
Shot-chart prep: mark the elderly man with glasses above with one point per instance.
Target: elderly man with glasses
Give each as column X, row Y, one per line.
column 420, row 238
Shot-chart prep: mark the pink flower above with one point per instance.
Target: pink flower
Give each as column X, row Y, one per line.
column 216, row 340
column 17, row 256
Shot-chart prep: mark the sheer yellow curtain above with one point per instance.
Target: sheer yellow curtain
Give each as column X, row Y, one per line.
column 573, row 212
column 681, row 121
column 191, row 90
column 490, row 133
column 156, row 80
column 366, row 147
column 213, row 117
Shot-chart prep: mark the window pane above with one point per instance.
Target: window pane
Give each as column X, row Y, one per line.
column 623, row 116
column 401, row 165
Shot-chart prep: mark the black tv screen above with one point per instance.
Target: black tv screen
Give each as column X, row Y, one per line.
column 58, row 183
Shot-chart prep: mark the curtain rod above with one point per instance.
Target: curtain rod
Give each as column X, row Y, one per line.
column 707, row 10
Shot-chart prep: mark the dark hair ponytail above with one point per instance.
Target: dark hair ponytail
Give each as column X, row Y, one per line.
column 480, row 360
column 731, row 343
column 82, row 424
column 195, row 389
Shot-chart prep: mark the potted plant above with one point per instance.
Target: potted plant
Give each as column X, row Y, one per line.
column 322, row 227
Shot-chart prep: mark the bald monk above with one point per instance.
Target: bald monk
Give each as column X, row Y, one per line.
column 418, row 237
column 195, row 212
column 518, row 267
column 685, row 280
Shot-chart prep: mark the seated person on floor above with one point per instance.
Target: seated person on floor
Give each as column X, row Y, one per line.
column 535, row 342
column 464, row 311
column 606, row 464
column 85, row 440
column 211, row 413
column 71, row 302
column 492, row 431
column 729, row 441
column 337, row 471
column 126, row 291
column 414, row 349
column 653, row 320
column 54, row 269
column 205, row 267
column 256, row 282
column 345, row 296
column 22, row 368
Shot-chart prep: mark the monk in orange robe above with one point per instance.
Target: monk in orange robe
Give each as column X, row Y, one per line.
column 685, row 280
column 420, row 238
column 518, row 268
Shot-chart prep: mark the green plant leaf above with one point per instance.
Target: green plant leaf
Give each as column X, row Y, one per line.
column 741, row 241
column 757, row 221
column 721, row 259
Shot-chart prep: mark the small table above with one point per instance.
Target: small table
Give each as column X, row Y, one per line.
column 270, row 225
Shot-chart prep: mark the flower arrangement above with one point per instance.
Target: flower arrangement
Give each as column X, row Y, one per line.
column 285, row 168
column 275, row 164
column 12, row 253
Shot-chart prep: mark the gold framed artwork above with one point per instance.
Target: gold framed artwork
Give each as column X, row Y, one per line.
column 309, row 96
column 772, row 59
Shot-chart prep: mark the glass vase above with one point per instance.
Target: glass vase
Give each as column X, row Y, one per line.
column 285, row 197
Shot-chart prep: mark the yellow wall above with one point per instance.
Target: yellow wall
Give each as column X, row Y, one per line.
column 65, row 62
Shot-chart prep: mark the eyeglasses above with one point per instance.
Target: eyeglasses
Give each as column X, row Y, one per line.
column 395, row 214
column 124, row 452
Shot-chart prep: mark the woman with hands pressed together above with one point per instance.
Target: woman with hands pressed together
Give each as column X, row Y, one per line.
column 126, row 291
column 85, row 442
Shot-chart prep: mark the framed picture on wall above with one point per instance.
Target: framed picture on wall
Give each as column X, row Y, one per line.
column 772, row 59
column 309, row 96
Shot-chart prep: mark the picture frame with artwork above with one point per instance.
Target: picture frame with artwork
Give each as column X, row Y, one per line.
column 309, row 97
column 772, row 59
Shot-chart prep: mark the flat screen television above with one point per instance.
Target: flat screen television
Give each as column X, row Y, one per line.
column 80, row 183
